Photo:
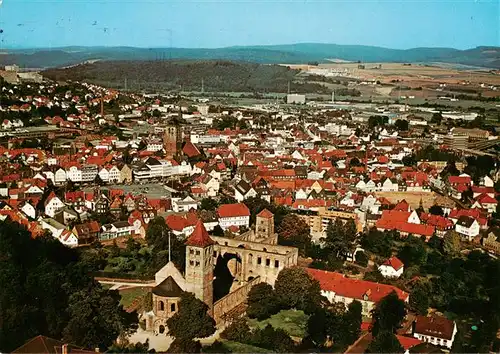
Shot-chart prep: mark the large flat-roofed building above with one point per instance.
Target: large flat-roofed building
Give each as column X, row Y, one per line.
column 295, row 99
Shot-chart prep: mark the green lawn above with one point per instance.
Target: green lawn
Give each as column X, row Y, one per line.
column 129, row 295
column 237, row 347
column 291, row 321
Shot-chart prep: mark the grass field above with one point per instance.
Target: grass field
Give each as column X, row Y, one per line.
column 291, row 321
column 130, row 295
column 237, row 347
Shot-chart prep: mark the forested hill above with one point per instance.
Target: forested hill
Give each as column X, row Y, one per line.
column 188, row 75
column 274, row 54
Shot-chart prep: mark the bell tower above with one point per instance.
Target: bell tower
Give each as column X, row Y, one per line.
column 199, row 264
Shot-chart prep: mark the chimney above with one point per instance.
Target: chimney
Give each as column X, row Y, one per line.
column 64, row 349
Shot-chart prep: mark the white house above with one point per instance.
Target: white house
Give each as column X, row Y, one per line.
column 184, row 205
column 114, row 174
column 337, row 288
column 390, row 186
column 116, row 229
column 74, row 174
column 60, row 176
column 53, row 204
column 435, row 330
column 392, row 268
column 467, row 227
column 243, row 190
column 104, row 174
column 29, row 210
column 233, row 215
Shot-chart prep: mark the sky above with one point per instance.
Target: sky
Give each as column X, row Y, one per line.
column 399, row 24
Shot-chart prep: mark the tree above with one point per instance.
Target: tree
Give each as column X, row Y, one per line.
column 183, row 345
column 157, row 237
column 273, row 339
column 294, row 231
column 402, row 125
column 409, row 160
column 414, row 252
column 451, row 243
column 208, row 204
column 96, row 318
column 437, row 118
column 388, row 314
column 237, row 331
column 436, row 210
column 128, row 347
column 296, row 289
column 378, row 242
column 352, row 323
column 419, row 299
column 192, row 319
column 262, row 302
column 361, row 258
column 385, row 342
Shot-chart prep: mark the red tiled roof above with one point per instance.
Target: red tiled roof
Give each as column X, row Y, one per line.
column 265, row 214
column 190, row 149
column 354, row 288
column 486, row 199
column 435, row 326
column 438, row 221
column 408, row 342
column 394, row 262
column 459, row 180
column 233, row 210
column 199, row 237
column 402, row 206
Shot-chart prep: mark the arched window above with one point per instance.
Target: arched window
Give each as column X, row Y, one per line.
column 172, row 307
column 250, row 258
column 161, row 329
column 161, row 306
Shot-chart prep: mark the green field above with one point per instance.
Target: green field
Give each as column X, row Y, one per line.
column 237, row 347
column 291, row 321
column 130, row 295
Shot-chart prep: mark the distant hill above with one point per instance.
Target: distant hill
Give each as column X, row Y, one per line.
column 217, row 75
column 292, row 54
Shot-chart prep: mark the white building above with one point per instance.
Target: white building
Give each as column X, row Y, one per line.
column 233, row 215
column 435, row 330
column 392, row 268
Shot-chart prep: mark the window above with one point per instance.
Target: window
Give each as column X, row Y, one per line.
column 197, row 252
column 172, row 307
column 276, row 264
column 259, row 260
column 161, row 306
column 268, row 262
column 197, row 263
column 191, row 251
column 191, row 263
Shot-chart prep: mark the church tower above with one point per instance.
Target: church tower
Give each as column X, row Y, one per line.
column 199, row 264
column 264, row 226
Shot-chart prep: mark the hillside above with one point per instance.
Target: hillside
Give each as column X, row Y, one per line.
column 275, row 54
column 217, row 75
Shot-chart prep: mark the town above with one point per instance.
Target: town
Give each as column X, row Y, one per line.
column 138, row 221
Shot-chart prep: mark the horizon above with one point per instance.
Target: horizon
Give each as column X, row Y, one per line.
column 234, row 46
column 203, row 24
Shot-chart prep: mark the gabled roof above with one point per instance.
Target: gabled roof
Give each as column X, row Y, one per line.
column 233, row 210
column 265, row 214
column 435, row 326
column 168, row 288
column 354, row 288
column 199, row 237
column 394, row 262
column 46, row 345
column 190, row 149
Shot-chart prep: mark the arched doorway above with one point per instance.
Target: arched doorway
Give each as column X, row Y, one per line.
column 161, row 329
column 227, row 269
